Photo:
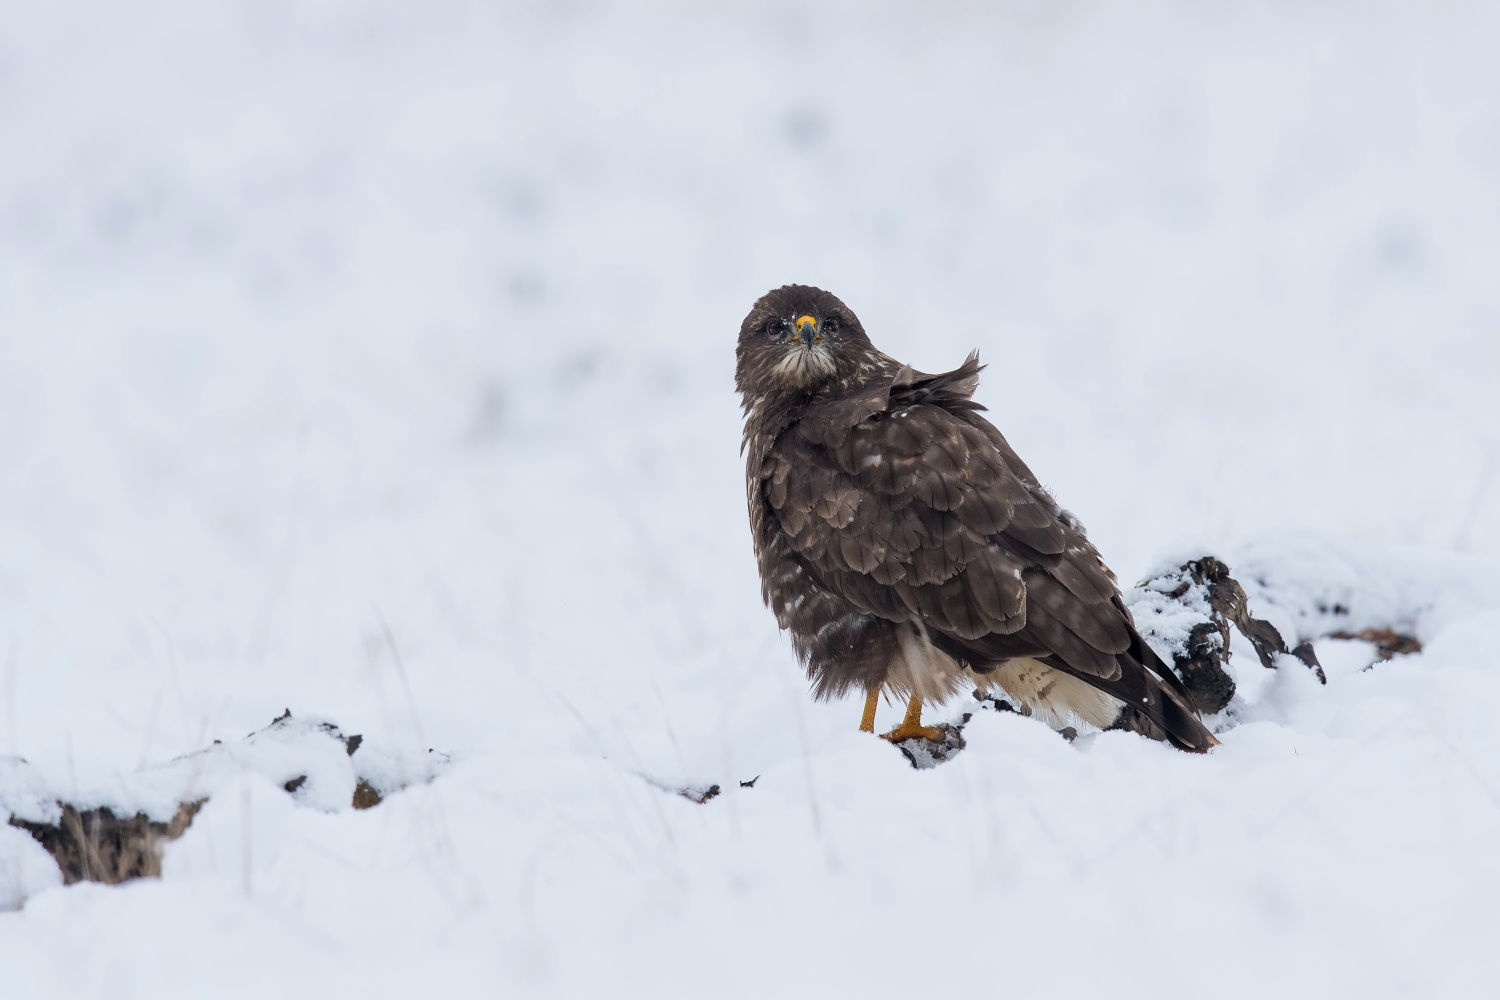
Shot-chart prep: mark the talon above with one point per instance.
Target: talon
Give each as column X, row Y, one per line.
column 905, row 732
column 911, row 726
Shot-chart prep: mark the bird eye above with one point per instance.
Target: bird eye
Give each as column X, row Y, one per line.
column 831, row 325
column 778, row 326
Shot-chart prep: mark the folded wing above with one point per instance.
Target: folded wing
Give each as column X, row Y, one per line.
column 910, row 506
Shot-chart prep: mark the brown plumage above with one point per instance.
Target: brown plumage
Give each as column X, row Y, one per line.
column 905, row 546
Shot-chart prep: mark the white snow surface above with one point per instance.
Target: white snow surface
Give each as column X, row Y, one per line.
column 375, row 360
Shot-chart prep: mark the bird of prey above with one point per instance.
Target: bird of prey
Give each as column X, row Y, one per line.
column 907, row 548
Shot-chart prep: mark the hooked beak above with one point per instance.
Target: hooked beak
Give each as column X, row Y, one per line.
column 807, row 330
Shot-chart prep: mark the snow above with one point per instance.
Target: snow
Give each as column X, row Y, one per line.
column 25, row 868
column 317, row 765
column 375, row 361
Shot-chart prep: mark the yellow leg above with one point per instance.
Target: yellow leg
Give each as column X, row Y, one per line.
column 912, row 725
column 867, row 721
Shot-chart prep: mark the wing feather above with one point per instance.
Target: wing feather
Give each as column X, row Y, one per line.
column 995, row 581
column 1084, row 574
column 1100, row 625
column 1066, row 643
column 983, row 511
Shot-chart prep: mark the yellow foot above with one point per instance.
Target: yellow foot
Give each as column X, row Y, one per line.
column 912, row 726
column 905, row 732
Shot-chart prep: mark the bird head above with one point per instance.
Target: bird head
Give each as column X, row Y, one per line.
column 796, row 338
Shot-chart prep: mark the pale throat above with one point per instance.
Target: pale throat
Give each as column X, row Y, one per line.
column 803, row 366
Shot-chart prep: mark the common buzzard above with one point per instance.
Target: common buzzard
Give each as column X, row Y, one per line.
column 907, row 548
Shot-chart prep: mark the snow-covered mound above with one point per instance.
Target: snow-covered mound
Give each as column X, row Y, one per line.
column 115, row 830
column 317, row 765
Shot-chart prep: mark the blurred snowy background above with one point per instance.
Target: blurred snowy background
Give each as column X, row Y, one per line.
column 375, row 360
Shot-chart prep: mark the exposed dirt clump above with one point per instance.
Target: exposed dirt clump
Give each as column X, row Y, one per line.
column 365, row 795
column 95, row 845
column 1388, row 643
column 1201, row 664
column 699, row 793
column 923, row 753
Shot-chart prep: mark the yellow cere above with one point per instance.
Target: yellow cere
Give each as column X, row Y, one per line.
column 805, row 321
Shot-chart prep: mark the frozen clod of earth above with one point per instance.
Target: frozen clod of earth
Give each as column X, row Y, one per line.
column 114, row 834
column 699, row 793
column 1191, row 610
column 95, row 845
column 924, row 753
column 1388, row 643
column 692, row 792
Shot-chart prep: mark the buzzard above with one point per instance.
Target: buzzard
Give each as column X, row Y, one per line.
column 907, row 548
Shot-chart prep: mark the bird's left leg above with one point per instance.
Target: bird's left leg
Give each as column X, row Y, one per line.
column 912, row 726
column 867, row 721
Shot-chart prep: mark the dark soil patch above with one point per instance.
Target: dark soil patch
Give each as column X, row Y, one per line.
column 1201, row 665
column 1388, row 643
column 699, row 793
column 95, row 845
column 365, row 795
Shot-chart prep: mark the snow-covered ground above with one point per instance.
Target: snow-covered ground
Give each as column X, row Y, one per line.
column 374, row 360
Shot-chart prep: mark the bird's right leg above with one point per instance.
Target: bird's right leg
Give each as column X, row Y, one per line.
column 912, row 726
column 867, row 721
